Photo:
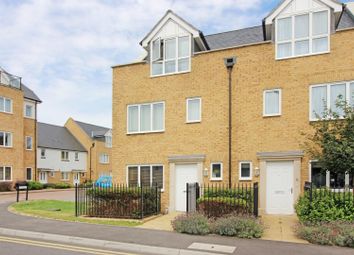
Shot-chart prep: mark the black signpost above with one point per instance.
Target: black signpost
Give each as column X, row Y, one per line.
column 21, row 186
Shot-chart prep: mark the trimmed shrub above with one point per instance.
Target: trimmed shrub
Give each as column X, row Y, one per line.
column 326, row 206
column 216, row 207
column 194, row 224
column 35, row 185
column 62, row 185
column 242, row 227
column 48, row 186
column 334, row 233
column 6, row 186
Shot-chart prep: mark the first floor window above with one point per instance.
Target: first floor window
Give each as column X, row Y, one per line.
column 29, row 113
column 76, row 156
column 43, row 153
column 145, row 176
column 64, row 176
column 318, row 177
column 194, row 110
column 145, row 118
column 65, row 156
column 216, row 171
column 51, row 174
column 104, row 159
column 28, row 143
column 5, row 139
column 245, row 171
column 5, row 173
column 29, row 174
column 327, row 96
column 272, row 102
column 5, row 105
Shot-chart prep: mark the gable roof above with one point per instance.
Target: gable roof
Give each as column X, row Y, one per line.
column 29, row 94
column 93, row 131
column 57, row 137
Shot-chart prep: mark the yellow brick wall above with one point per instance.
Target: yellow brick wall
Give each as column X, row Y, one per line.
column 255, row 71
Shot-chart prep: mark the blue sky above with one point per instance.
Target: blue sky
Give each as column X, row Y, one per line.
column 64, row 49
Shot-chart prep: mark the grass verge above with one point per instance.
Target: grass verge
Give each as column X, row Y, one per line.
column 63, row 210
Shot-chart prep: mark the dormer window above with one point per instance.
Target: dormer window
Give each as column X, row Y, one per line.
column 170, row 55
column 302, row 34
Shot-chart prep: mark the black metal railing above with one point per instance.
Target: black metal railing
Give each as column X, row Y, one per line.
column 117, row 201
column 10, row 79
column 339, row 196
column 217, row 200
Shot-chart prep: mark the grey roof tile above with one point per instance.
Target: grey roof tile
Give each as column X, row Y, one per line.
column 29, row 94
column 347, row 20
column 57, row 137
column 93, row 131
column 235, row 38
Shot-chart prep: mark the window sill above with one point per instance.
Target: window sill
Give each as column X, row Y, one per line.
column 65, row 160
column 104, row 163
column 245, row 179
column 169, row 74
column 29, row 149
column 303, row 56
column 145, row 133
column 6, row 180
column 43, row 157
column 9, row 113
column 6, row 147
column 31, row 118
column 64, row 180
column 216, row 179
column 271, row 115
column 193, row 122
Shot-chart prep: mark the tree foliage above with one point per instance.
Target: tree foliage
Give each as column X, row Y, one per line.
column 332, row 142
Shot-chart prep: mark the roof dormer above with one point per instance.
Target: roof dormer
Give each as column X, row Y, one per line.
column 170, row 45
column 302, row 27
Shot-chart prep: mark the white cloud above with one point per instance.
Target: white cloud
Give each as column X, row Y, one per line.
column 64, row 49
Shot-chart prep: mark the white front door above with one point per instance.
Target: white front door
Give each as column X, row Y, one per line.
column 184, row 174
column 76, row 178
column 43, row 177
column 280, row 182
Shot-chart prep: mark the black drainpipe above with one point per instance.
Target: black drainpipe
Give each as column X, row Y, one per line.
column 35, row 140
column 229, row 63
column 93, row 145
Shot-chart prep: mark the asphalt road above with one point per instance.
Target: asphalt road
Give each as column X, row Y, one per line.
column 20, row 246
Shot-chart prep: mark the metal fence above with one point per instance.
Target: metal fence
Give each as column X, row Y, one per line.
column 338, row 195
column 218, row 200
column 117, row 201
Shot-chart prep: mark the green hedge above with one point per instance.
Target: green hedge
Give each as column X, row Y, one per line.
column 6, row 186
column 326, row 206
column 35, row 185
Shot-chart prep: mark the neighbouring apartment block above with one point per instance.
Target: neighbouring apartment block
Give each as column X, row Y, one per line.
column 60, row 156
column 18, row 118
column 97, row 141
column 171, row 109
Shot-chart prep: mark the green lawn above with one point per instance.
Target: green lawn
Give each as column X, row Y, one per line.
column 63, row 210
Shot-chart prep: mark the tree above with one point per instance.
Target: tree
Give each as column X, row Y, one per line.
column 332, row 142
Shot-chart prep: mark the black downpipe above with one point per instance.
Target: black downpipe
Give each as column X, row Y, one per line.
column 93, row 145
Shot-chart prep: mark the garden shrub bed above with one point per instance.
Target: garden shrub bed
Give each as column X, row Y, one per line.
column 231, row 225
column 6, row 186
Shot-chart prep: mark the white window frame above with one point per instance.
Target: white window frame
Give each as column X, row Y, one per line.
column 264, row 103
column 200, row 110
column 151, row 167
column 240, row 171
column 328, row 177
column 33, row 114
column 163, row 60
column 27, row 168
column 310, row 37
column 108, row 141
column 4, row 171
column 66, row 175
column 44, row 157
column 31, row 148
column 103, row 157
column 76, row 156
column 11, row 140
column 151, row 118
column 221, row 171
column 64, row 158
column 11, row 105
column 328, row 99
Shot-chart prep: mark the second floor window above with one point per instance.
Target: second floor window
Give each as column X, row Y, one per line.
column 65, row 156
column 76, row 156
column 171, row 55
column 5, row 139
column 104, row 159
column 29, row 143
column 194, row 110
column 43, row 153
column 303, row 34
column 5, row 105
column 145, row 118
column 272, row 102
column 108, row 141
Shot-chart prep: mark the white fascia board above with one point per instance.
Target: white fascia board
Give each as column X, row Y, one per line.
column 169, row 15
column 336, row 6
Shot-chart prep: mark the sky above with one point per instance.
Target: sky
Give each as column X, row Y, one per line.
column 64, row 49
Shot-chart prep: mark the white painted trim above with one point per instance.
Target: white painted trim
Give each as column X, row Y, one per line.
column 3, row 180
column 239, row 171
column 66, row 175
column 26, row 143
column 328, row 99
column 200, row 110
column 264, row 103
column 103, row 156
column 221, row 171
column 31, row 174
column 11, row 105
column 151, row 172
column 151, row 118
column 11, row 139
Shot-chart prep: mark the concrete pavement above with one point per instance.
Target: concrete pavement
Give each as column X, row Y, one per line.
column 159, row 239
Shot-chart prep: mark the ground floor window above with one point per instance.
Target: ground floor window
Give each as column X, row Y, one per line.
column 5, row 173
column 331, row 180
column 245, row 171
column 145, row 176
column 29, row 174
column 64, row 176
column 216, row 171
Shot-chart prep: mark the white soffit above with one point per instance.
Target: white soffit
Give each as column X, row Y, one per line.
column 293, row 6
